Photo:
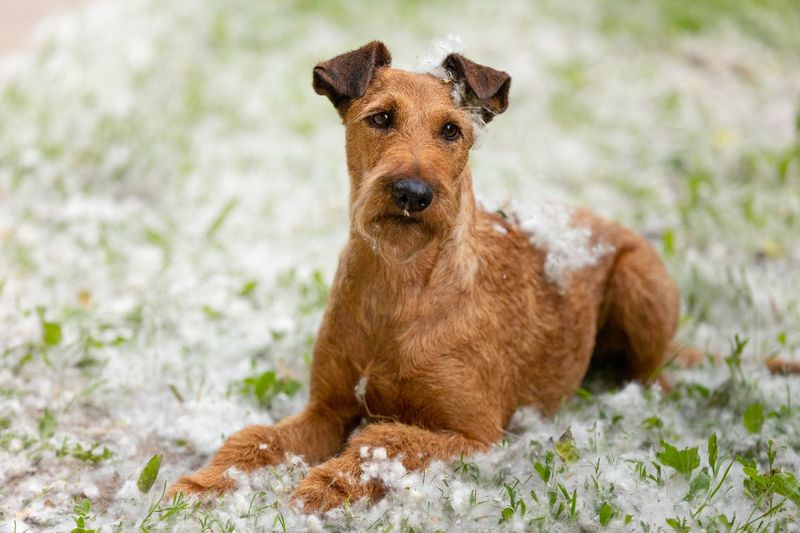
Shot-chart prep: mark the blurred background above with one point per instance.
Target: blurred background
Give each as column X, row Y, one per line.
column 173, row 200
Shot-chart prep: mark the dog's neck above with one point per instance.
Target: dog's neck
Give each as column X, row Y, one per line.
column 461, row 247
column 454, row 251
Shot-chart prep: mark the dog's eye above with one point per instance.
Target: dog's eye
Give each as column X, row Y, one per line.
column 381, row 120
column 450, row 132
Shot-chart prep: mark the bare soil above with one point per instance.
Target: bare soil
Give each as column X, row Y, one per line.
column 19, row 17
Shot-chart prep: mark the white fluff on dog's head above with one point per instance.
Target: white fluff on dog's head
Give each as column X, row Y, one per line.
column 431, row 62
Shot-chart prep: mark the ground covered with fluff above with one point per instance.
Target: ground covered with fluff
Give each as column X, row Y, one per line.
column 173, row 199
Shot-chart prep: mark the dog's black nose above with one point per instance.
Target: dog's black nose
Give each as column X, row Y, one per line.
column 412, row 195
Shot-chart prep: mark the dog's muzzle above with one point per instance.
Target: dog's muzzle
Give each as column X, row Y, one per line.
column 412, row 195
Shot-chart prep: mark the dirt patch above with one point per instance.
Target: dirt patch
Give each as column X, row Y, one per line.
column 17, row 19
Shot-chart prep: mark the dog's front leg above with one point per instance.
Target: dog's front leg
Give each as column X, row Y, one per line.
column 314, row 433
column 343, row 479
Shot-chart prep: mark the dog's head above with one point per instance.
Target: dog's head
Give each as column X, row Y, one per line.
column 408, row 139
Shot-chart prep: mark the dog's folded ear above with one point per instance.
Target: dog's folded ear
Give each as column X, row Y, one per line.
column 347, row 76
column 485, row 86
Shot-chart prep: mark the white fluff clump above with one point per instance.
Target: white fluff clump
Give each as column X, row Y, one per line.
column 497, row 227
column 388, row 471
column 568, row 247
column 360, row 390
column 431, row 63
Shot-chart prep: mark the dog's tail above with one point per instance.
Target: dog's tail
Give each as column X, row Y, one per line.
column 781, row 366
column 686, row 356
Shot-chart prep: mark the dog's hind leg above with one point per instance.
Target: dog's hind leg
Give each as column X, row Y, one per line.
column 641, row 311
column 342, row 478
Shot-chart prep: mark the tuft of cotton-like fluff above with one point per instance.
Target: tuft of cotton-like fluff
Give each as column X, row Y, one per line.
column 360, row 390
column 431, row 63
column 568, row 247
column 389, row 471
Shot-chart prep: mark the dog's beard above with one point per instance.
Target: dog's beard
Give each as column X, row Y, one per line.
column 394, row 236
column 397, row 241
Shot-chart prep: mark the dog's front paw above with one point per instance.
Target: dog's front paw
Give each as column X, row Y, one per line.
column 319, row 496
column 328, row 487
column 210, row 480
column 247, row 450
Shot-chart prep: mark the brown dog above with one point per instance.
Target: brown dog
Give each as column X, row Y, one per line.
column 444, row 318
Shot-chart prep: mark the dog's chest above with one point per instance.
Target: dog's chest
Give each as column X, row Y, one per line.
column 378, row 395
column 380, row 389
column 406, row 400
column 431, row 396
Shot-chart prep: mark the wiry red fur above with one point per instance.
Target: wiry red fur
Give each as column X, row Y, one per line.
column 453, row 323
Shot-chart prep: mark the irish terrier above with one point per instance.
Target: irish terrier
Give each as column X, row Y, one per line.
column 444, row 318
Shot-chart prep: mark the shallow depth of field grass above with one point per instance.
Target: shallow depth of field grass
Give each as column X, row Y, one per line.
column 173, row 200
